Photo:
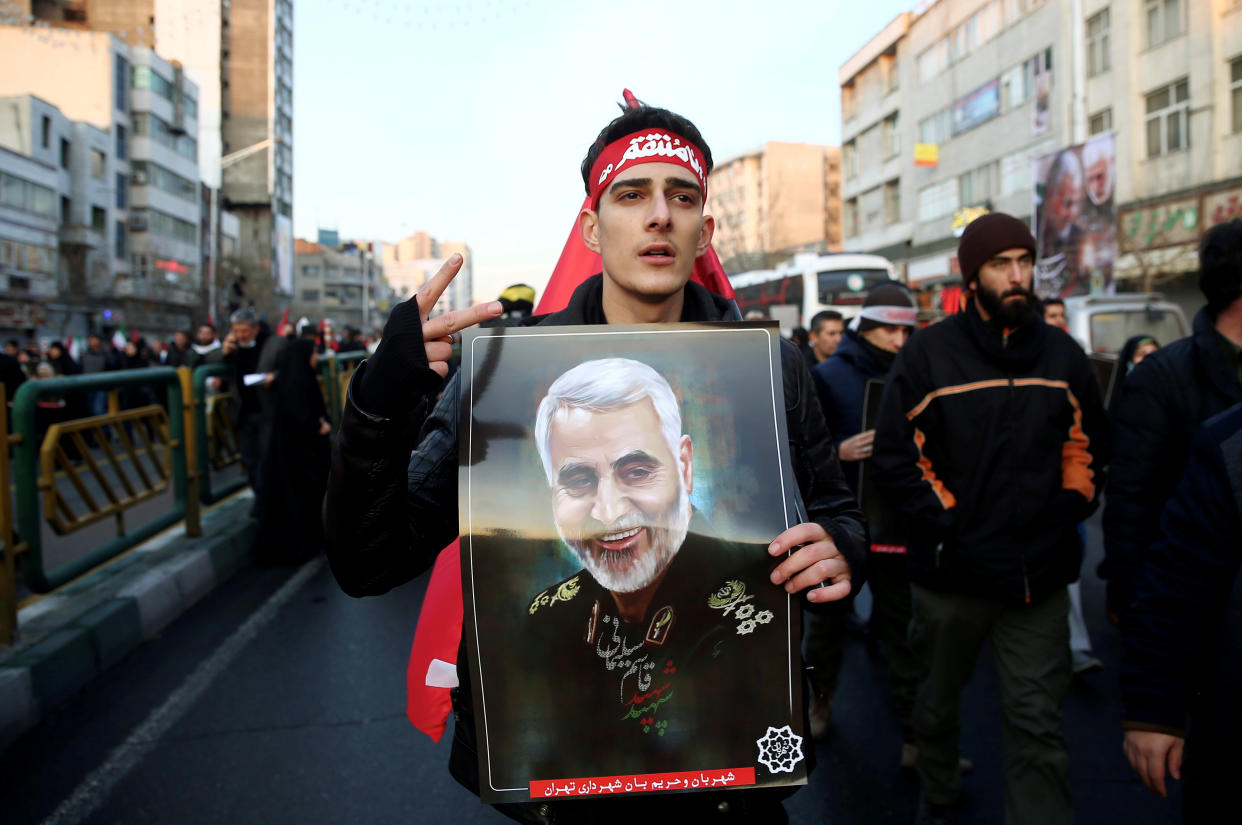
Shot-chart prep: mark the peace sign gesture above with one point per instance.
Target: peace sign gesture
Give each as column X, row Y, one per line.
column 412, row 358
column 438, row 331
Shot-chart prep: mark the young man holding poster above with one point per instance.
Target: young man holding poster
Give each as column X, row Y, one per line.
column 392, row 498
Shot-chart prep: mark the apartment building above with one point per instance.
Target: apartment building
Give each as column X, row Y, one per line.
column 345, row 285
column 129, row 247
column 775, row 201
column 240, row 55
column 980, row 90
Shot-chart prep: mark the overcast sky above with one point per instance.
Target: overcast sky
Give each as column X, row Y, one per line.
column 468, row 119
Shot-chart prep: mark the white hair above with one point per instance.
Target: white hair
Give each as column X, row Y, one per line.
column 605, row 385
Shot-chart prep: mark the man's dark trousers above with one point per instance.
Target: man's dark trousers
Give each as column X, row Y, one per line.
column 251, row 439
column 1030, row 643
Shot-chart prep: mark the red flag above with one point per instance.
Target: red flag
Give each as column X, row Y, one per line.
column 577, row 263
column 284, row 319
column 431, row 672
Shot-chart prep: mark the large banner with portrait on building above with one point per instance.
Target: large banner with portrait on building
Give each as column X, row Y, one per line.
column 619, row 489
column 1076, row 219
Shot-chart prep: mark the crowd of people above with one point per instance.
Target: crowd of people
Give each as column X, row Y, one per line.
column 976, row 448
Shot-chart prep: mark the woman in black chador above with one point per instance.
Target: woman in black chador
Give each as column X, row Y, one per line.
column 296, row 461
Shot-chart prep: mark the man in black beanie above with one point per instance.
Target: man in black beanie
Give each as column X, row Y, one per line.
column 992, row 439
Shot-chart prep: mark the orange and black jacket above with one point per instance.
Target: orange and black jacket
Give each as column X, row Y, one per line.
column 992, row 444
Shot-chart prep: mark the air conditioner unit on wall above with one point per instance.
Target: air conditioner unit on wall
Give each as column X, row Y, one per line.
column 139, row 178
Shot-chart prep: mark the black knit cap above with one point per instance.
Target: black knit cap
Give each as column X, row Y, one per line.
column 990, row 235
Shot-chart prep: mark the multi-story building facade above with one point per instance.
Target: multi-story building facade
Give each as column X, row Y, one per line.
column 129, row 245
column 240, row 54
column 36, row 146
column 775, row 201
column 345, row 285
column 995, row 84
column 411, row 261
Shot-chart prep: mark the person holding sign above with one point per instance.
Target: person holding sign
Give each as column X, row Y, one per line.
column 392, row 495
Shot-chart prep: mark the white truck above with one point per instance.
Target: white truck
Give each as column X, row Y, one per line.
column 1103, row 323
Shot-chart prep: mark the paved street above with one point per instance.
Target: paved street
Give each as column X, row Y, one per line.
column 282, row 700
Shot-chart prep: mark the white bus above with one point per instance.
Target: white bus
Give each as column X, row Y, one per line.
column 809, row 283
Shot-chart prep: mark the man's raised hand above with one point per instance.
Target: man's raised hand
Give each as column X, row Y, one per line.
column 412, row 358
column 438, row 331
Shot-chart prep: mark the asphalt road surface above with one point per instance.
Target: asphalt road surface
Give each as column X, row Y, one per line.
column 279, row 699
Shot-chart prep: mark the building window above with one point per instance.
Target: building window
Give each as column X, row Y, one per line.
column 1235, row 92
column 310, row 272
column 966, row 188
column 1100, row 122
column 936, row 129
column 1168, row 119
column 66, row 211
column 938, row 200
column 122, row 241
column 1098, row 60
column 120, row 88
column 310, row 296
column 99, row 164
column 122, row 142
column 892, row 202
column 1164, row 20
column 27, row 196
column 46, row 132
column 892, row 138
column 850, row 159
column 122, row 191
column 65, row 153
column 99, row 218
column 149, row 125
column 849, row 218
column 847, row 102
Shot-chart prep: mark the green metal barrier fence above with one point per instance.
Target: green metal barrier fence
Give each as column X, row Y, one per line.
column 141, row 452
column 215, row 439
column 336, row 373
column 152, row 439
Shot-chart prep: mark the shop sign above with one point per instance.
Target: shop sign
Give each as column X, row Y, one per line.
column 978, row 107
column 1222, row 206
column 1166, row 224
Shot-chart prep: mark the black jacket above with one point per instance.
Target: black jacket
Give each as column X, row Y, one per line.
column 1162, row 404
column 1183, row 634
column 994, row 446
column 374, row 542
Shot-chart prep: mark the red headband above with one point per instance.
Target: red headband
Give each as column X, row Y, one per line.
column 645, row 146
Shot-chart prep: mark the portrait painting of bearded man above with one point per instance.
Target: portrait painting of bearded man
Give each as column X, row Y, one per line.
column 619, row 489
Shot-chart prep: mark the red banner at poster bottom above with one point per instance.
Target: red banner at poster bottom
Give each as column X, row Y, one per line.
column 642, row 782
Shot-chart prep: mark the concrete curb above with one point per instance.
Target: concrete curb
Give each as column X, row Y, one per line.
column 70, row 637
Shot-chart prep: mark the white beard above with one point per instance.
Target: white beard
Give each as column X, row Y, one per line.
column 626, row 574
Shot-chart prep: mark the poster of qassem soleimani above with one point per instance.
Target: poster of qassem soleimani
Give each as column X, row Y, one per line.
column 619, row 488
